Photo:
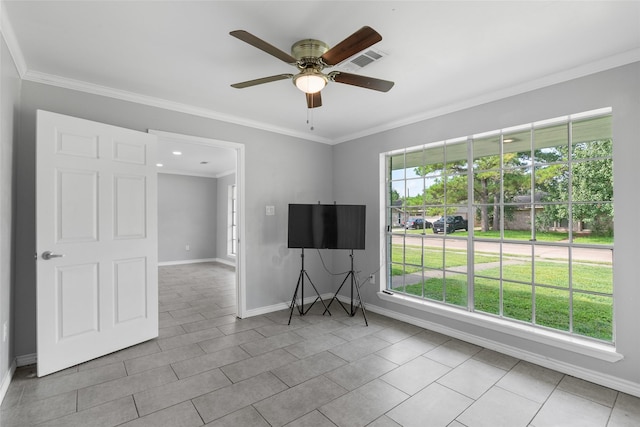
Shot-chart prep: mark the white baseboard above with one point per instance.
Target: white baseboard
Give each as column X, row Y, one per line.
column 196, row 261
column 615, row 383
column 4, row 387
column 226, row 262
column 27, row 359
column 282, row 306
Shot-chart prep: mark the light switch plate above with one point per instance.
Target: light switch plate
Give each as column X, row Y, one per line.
column 270, row 210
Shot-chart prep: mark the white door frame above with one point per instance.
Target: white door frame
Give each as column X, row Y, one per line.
column 241, row 299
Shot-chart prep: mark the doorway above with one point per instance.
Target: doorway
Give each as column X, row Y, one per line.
column 199, row 156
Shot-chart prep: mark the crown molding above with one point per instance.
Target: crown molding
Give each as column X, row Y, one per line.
column 82, row 86
column 604, row 64
column 164, row 171
column 226, row 173
column 12, row 43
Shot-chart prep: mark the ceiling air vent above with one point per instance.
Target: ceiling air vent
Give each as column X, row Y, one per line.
column 361, row 60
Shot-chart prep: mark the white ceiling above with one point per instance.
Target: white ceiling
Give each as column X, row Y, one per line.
column 195, row 157
column 442, row 55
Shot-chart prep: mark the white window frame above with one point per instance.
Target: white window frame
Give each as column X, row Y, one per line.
column 232, row 220
column 604, row 351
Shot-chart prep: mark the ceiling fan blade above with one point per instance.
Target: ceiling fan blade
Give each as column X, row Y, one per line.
column 360, row 40
column 361, row 81
column 269, row 79
column 263, row 45
column 314, row 100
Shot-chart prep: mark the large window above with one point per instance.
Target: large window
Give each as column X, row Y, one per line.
column 232, row 221
column 516, row 224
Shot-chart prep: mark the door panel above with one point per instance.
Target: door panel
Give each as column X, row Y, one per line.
column 71, row 144
column 77, row 300
column 129, row 152
column 76, row 193
column 130, row 193
column 129, row 285
column 96, row 204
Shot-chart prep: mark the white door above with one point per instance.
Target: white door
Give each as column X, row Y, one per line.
column 96, row 219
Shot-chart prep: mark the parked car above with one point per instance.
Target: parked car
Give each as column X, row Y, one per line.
column 417, row 224
column 453, row 223
column 409, row 223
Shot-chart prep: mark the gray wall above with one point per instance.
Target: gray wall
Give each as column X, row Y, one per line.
column 271, row 178
column 618, row 88
column 223, row 205
column 9, row 105
column 325, row 173
column 187, row 215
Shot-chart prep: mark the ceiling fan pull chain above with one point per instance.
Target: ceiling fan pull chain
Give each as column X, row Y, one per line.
column 310, row 118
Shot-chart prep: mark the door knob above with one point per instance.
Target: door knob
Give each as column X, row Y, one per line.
column 48, row 255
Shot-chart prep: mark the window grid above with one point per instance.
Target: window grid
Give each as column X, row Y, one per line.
column 412, row 257
column 232, row 221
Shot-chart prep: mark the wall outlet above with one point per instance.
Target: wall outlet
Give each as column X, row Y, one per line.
column 372, row 279
column 5, row 331
column 187, row 248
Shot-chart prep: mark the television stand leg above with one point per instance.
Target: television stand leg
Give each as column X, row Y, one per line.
column 354, row 284
column 293, row 300
column 360, row 303
column 300, row 286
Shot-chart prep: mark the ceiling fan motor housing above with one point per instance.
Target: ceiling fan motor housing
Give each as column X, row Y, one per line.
column 308, row 53
column 309, row 50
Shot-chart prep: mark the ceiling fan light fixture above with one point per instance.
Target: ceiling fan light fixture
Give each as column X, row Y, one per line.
column 311, row 57
column 310, row 80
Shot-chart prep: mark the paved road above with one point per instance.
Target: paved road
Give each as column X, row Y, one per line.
column 541, row 250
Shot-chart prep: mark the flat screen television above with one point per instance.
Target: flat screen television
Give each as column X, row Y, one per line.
column 317, row 226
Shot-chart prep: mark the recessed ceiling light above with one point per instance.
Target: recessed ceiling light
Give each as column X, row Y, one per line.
column 159, row 165
column 177, row 153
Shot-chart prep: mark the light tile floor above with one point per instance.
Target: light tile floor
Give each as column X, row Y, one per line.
column 209, row 367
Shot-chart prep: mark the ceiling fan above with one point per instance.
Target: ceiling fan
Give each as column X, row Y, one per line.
column 311, row 57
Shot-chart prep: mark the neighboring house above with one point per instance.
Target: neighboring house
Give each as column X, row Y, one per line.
column 519, row 217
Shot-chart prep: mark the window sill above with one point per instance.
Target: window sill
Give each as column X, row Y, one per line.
column 585, row 347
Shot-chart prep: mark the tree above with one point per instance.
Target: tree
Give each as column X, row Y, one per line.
column 434, row 195
column 552, row 184
column 486, row 184
column 591, row 182
column 394, row 195
column 499, row 179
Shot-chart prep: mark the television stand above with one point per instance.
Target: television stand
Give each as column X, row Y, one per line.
column 300, row 286
column 354, row 283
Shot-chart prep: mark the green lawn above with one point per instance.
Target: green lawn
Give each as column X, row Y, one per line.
column 593, row 314
column 433, row 258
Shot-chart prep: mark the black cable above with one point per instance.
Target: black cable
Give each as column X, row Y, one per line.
column 369, row 277
column 325, row 266
column 358, row 284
